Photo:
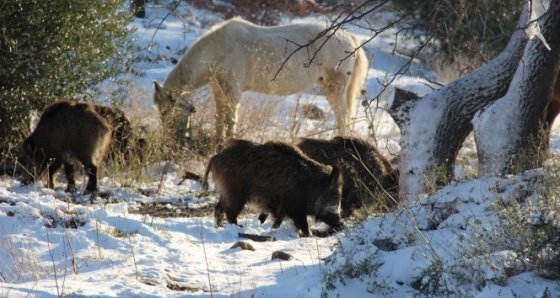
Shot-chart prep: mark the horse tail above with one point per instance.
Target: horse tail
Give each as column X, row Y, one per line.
column 204, row 189
column 357, row 78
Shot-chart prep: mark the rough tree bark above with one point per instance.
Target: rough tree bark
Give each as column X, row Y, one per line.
column 509, row 134
column 434, row 127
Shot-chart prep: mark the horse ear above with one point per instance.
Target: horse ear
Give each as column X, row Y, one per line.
column 158, row 87
column 160, row 98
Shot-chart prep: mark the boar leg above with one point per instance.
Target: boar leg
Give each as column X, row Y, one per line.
column 53, row 168
column 69, row 172
column 300, row 221
column 278, row 221
column 232, row 212
column 262, row 217
column 91, row 187
column 219, row 211
column 333, row 220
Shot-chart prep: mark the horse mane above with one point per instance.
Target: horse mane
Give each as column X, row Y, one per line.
column 216, row 32
column 201, row 47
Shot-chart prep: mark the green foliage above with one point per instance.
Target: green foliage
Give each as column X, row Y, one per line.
column 474, row 27
column 53, row 49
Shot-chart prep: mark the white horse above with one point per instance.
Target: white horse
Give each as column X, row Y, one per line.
column 237, row 56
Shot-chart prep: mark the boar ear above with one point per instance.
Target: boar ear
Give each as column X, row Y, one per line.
column 335, row 177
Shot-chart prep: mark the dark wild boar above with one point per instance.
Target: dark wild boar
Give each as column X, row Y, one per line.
column 122, row 131
column 276, row 178
column 125, row 143
column 369, row 176
column 67, row 132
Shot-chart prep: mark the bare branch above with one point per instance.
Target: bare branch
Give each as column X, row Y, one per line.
column 331, row 30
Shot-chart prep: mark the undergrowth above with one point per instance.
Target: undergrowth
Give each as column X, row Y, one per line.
column 517, row 232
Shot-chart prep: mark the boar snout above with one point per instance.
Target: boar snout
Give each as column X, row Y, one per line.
column 25, row 180
column 333, row 220
column 24, row 175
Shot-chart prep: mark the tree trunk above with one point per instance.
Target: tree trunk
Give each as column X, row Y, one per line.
column 512, row 134
column 434, row 127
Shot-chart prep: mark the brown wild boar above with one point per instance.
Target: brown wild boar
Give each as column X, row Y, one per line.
column 125, row 143
column 276, row 178
column 122, row 131
column 368, row 175
column 66, row 132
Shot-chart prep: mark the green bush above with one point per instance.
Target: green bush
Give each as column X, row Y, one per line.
column 54, row 49
column 471, row 27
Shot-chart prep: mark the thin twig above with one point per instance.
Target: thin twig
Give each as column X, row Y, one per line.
column 51, row 253
column 99, row 251
column 206, row 259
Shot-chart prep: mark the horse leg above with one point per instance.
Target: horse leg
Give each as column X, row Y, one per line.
column 220, row 117
column 333, row 86
column 231, row 115
column 227, row 104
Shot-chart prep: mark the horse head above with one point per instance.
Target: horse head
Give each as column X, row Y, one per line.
column 175, row 114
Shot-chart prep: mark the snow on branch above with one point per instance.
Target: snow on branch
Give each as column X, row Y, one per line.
column 508, row 133
column 434, row 127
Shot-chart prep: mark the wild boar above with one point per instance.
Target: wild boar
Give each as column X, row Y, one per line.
column 67, row 132
column 369, row 177
column 122, row 131
column 125, row 142
column 276, row 178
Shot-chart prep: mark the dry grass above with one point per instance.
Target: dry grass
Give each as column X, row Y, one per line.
column 450, row 71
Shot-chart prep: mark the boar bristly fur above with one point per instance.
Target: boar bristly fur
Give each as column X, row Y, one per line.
column 369, row 177
column 122, row 131
column 125, row 143
column 67, row 132
column 276, row 178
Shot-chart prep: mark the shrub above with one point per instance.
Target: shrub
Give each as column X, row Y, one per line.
column 264, row 12
column 53, row 49
column 474, row 27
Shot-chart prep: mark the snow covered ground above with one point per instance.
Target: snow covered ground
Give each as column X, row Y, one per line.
column 50, row 247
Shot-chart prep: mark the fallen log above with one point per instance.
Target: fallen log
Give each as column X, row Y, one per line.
column 257, row 238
